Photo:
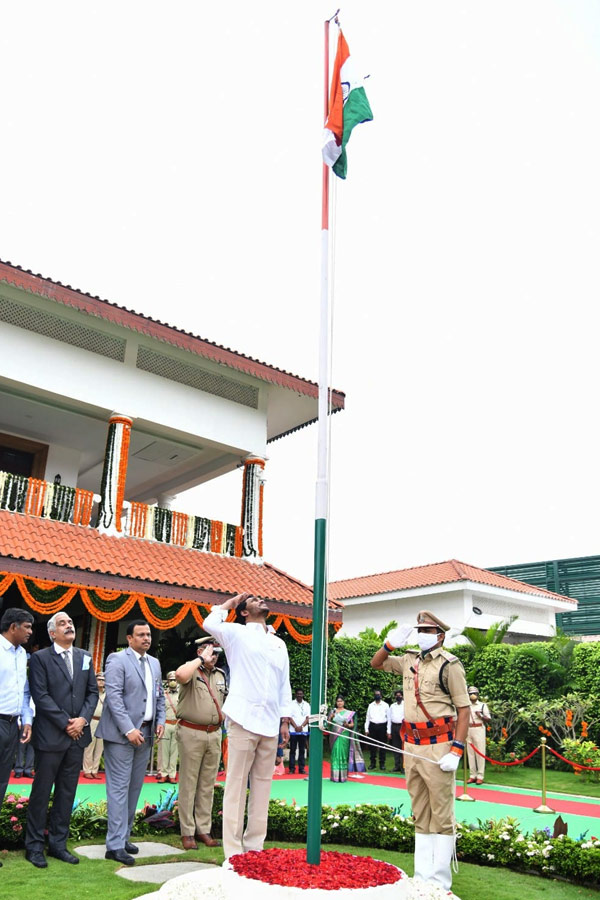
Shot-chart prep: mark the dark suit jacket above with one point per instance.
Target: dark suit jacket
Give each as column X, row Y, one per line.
column 57, row 698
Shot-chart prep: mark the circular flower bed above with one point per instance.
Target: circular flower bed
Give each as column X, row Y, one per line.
column 285, row 875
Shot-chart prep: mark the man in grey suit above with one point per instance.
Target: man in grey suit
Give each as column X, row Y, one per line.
column 134, row 711
column 63, row 688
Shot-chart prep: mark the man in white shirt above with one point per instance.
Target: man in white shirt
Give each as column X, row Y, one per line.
column 376, row 728
column 15, row 629
column 395, row 720
column 257, row 710
column 300, row 711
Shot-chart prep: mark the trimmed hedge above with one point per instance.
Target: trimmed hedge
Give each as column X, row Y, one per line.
column 494, row 843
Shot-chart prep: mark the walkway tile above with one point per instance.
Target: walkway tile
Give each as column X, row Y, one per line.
column 147, row 848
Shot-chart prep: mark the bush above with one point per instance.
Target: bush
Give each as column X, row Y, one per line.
column 585, row 668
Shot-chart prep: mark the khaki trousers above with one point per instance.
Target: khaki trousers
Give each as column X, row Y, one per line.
column 93, row 752
column 431, row 790
column 476, row 763
column 250, row 756
column 167, row 753
column 199, row 755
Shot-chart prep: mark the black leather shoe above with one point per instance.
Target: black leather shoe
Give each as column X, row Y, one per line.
column 131, row 848
column 18, row 773
column 64, row 856
column 120, row 856
column 36, row 858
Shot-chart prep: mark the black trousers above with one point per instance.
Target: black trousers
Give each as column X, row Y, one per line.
column 378, row 733
column 60, row 768
column 9, row 741
column 297, row 743
column 24, row 759
column 397, row 743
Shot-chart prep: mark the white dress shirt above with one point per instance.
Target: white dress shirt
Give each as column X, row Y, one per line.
column 61, row 651
column 298, row 712
column 259, row 689
column 149, row 712
column 14, row 687
column 395, row 715
column 377, row 713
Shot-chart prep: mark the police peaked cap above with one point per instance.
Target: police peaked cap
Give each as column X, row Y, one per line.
column 428, row 620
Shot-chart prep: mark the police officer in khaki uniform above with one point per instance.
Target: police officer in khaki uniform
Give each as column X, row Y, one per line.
column 202, row 692
column 479, row 716
column 436, row 718
column 168, row 748
column 93, row 752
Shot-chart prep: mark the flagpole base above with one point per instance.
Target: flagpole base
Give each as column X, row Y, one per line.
column 543, row 809
column 466, row 796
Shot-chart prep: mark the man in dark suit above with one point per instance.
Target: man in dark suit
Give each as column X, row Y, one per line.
column 64, row 690
column 134, row 711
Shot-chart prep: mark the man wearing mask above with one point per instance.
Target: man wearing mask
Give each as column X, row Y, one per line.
column 479, row 716
column 376, row 728
column 168, row 750
column 436, row 719
column 395, row 721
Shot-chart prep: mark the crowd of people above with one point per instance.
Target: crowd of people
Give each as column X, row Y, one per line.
column 119, row 715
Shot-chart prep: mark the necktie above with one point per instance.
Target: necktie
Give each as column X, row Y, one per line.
column 69, row 664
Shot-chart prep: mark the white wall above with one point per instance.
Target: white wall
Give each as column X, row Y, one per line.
column 93, row 380
column 454, row 607
column 63, row 461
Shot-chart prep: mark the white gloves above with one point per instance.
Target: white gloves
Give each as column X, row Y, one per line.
column 450, row 762
column 399, row 636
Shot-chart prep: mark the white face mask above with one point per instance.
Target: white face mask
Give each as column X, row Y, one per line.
column 426, row 641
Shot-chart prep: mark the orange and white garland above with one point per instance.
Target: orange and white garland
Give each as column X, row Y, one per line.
column 252, row 507
column 112, row 490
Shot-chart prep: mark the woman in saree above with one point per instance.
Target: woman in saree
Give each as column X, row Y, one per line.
column 345, row 749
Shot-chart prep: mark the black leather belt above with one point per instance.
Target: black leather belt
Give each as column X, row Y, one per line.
column 6, row 718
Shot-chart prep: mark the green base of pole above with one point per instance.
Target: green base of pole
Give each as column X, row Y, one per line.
column 317, row 697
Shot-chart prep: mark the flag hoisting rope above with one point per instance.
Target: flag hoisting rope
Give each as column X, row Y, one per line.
column 345, row 107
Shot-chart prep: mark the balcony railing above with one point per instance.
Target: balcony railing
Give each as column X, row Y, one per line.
column 195, row 532
column 35, row 497
column 63, row 503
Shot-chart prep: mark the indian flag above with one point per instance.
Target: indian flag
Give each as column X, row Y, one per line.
column 348, row 106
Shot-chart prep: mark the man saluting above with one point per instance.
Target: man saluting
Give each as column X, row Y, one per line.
column 257, row 710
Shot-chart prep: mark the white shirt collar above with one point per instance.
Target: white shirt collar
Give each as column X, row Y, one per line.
column 139, row 655
column 58, row 649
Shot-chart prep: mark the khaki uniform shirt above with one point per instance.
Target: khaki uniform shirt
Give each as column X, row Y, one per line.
column 436, row 702
column 99, row 705
column 195, row 703
column 171, row 701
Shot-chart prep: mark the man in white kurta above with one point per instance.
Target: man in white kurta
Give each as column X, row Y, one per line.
column 257, row 710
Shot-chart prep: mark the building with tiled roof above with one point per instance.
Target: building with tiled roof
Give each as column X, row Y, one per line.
column 462, row 595
column 106, row 415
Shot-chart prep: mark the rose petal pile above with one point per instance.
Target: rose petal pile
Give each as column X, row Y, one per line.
column 336, row 871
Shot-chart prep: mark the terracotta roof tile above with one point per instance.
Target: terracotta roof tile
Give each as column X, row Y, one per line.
column 73, row 547
column 425, row 576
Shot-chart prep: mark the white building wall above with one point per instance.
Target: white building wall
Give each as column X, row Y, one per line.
column 63, row 461
column 93, row 380
column 454, row 607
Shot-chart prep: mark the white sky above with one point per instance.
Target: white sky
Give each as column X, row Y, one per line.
column 167, row 157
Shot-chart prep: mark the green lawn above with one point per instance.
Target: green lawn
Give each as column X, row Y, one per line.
column 522, row 777
column 93, row 878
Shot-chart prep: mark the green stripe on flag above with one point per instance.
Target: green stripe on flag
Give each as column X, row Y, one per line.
column 356, row 110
